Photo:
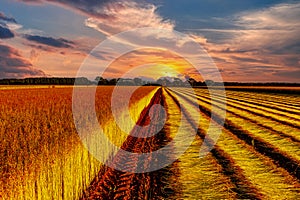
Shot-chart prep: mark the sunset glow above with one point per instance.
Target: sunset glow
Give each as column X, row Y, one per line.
column 253, row 42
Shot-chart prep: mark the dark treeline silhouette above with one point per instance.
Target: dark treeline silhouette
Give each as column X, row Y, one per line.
column 46, row 81
column 176, row 82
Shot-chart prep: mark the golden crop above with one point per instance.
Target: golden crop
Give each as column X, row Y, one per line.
column 257, row 155
column 41, row 155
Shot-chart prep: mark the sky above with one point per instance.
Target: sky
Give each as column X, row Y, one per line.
column 244, row 41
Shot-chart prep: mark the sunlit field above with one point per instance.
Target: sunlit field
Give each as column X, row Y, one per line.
column 41, row 155
column 257, row 155
column 258, row 149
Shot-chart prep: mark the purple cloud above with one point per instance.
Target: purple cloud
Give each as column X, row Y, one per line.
column 13, row 65
column 7, row 19
column 59, row 43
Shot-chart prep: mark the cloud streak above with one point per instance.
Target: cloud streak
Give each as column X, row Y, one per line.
column 7, row 19
column 59, row 43
column 13, row 65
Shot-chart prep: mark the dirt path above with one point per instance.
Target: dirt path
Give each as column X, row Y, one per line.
column 114, row 184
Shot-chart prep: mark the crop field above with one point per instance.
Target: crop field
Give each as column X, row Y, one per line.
column 41, row 155
column 256, row 156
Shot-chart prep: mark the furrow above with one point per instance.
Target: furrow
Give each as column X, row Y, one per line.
column 256, row 163
column 242, row 186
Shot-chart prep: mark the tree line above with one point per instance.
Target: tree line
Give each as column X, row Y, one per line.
column 132, row 81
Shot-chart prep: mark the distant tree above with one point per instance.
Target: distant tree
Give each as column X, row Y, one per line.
column 177, row 82
column 163, row 81
column 192, row 82
column 112, row 81
column 138, row 81
column 209, row 82
column 101, row 81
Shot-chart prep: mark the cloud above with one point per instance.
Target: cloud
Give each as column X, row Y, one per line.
column 88, row 8
column 59, row 43
column 7, row 26
column 278, row 17
column 127, row 15
column 114, row 16
column 7, row 19
column 13, row 65
column 258, row 45
column 262, row 37
column 6, row 33
column 293, row 75
column 9, row 22
column 275, row 29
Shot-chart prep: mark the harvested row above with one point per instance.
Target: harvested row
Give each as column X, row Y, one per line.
column 275, row 95
column 282, row 152
column 270, row 181
column 267, row 102
column 199, row 178
column 171, row 181
column 283, row 144
column 241, row 186
column 250, row 119
column 263, row 106
column 283, row 119
column 278, row 99
column 243, row 112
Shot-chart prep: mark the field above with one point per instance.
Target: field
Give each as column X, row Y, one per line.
column 257, row 154
column 41, row 155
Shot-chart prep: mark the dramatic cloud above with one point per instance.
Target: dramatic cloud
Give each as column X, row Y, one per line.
column 275, row 29
column 59, row 43
column 256, row 45
column 261, row 45
column 13, row 65
column 114, row 16
column 6, row 33
column 127, row 15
